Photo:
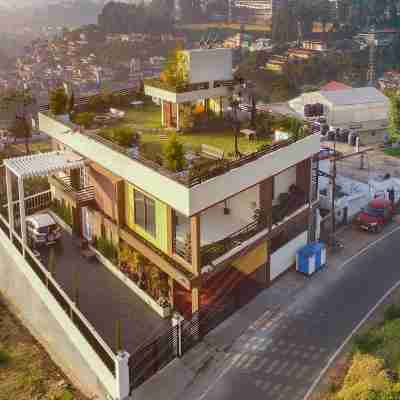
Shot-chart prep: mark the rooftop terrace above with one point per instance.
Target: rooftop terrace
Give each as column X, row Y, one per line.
column 137, row 133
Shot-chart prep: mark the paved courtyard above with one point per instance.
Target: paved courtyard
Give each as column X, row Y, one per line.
column 104, row 299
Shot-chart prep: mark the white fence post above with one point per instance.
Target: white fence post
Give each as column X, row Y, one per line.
column 177, row 321
column 122, row 375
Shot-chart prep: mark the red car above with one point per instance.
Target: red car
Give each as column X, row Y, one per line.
column 375, row 216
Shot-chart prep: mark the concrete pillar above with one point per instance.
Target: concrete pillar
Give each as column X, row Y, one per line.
column 162, row 113
column 122, row 375
column 195, row 243
column 176, row 321
column 21, row 198
column 171, row 291
column 195, row 300
column 10, row 201
column 177, row 117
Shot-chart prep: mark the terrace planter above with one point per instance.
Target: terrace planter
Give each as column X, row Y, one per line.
column 163, row 312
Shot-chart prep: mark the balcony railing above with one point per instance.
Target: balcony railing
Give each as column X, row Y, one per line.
column 221, row 167
column 81, row 197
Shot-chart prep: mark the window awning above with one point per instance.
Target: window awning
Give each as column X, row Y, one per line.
column 43, row 164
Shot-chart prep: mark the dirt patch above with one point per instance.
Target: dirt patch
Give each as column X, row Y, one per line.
column 26, row 370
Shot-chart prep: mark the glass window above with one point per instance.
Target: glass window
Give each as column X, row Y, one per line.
column 145, row 214
column 150, row 216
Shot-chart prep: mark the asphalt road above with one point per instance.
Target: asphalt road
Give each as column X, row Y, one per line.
column 280, row 356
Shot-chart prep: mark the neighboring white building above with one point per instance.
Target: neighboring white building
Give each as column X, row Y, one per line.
column 257, row 10
column 362, row 110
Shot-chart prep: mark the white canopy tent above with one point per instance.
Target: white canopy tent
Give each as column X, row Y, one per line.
column 41, row 164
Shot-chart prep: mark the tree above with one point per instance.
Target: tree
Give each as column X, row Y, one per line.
column 394, row 115
column 22, row 129
column 84, row 119
column 58, row 101
column 174, row 154
column 175, row 70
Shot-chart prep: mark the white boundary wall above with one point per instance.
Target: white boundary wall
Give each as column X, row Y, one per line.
column 285, row 257
column 48, row 322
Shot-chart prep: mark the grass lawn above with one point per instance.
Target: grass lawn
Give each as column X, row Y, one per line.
column 224, row 140
column 392, row 152
column 148, row 116
column 26, row 371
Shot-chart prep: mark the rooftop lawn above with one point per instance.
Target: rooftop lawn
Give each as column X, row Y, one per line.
column 394, row 152
column 149, row 116
column 223, row 140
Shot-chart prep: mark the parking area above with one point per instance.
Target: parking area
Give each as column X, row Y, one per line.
column 103, row 298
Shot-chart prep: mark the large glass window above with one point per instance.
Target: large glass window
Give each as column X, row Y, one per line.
column 181, row 234
column 145, row 214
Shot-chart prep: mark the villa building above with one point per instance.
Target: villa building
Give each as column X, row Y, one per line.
column 193, row 230
column 185, row 237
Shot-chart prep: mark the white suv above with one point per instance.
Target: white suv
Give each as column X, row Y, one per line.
column 42, row 229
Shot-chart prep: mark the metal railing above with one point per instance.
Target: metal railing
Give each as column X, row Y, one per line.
column 221, row 167
column 195, row 177
column 211, row 252
column 147, row 360
column 84, row 326
column 36, row 202
column 80, row 196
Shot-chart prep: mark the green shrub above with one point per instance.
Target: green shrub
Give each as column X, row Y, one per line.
column 62, row 210
column 4, row 357
column 58, row 101
column 174, row 154
column 392, row 312
column 367, row 342
column 365, row 376
column 84, row 119
column 107, row 248
column 66, row 395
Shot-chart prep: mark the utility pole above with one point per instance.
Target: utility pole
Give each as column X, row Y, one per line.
column 333, row 216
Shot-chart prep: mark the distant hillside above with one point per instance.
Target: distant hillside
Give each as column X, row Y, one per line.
column 37, row 14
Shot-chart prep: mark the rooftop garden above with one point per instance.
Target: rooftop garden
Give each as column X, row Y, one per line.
column 206, row 143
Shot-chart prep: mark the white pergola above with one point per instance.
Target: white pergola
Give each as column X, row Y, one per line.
column 41, row 164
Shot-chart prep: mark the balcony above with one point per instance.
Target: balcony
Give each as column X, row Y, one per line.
column 81, row 197
column 287, row 207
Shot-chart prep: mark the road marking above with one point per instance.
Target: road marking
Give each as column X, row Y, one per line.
column 348, row 338
column 366, row 248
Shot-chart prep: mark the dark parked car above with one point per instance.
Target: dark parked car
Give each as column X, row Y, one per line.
column 375, row 216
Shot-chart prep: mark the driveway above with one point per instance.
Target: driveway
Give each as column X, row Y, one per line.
column 104, row 299
column 277, row 353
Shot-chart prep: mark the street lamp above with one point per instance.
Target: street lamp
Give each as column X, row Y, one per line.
column 235, row 100
column 249, row 87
